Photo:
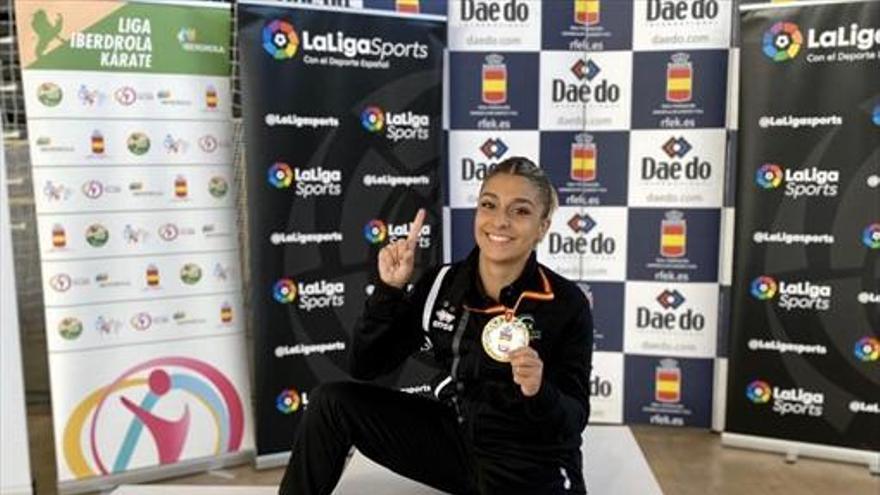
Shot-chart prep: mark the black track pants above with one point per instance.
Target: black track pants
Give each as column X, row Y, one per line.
column 413, row 436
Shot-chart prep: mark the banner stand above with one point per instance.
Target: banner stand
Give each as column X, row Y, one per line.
column 793, row 450
column 154, row 473
column 272, row 460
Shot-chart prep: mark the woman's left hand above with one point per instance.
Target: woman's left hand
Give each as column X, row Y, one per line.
column 528, row 370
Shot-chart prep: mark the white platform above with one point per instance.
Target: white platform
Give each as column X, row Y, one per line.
column 613, row 464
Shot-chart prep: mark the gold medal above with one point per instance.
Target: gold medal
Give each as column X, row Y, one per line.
column 503, row 334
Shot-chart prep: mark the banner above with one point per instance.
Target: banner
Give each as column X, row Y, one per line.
column 623, row 103
column 343, row 123
column 805, row 347
column 129, row 125
column 15, row 470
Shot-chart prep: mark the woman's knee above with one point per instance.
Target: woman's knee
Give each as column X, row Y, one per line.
column 337, row 396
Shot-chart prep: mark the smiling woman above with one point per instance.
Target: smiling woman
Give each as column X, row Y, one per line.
column 513, row 340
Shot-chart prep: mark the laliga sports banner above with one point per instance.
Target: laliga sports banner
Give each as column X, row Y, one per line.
column 343, row 122
column 805, row 349
column 129, row 123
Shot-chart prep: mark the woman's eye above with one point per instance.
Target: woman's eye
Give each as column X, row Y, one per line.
column 486, row 204
column 522, row 211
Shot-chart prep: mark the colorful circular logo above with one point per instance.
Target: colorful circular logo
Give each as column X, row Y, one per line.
column 284, row 291
column 375, row 231
column 280, row 39
column 218, row 187
column 49, row 94
column 138, row 143
column 759, row 392
column 70, row 328
column 97, row 235
column 288, row 401
column 764, row 288
column 769, row 176
column 190, row 273
column 373, row 119
column 867, row 349
column 280, row 175
column 871, row 236
column 168, row 401
column 782, row 41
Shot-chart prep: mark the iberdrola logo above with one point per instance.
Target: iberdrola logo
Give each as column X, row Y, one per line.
column 280, row 39
column 782, row 41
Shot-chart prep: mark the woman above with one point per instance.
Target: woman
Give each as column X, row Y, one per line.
column 514, row 338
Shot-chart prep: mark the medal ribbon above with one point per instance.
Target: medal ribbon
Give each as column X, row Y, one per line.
column 546, row 295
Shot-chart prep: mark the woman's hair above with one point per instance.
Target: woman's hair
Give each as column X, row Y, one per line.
column 525, row 168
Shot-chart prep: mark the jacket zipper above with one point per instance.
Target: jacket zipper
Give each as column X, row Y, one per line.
column 456, row 359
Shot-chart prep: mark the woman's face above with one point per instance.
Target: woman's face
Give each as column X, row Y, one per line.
column 509, row 220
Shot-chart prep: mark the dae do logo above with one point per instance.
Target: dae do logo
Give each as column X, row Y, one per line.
column 165, row 409
column 487, row 11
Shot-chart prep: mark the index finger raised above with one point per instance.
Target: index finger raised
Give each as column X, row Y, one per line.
column 416, row 228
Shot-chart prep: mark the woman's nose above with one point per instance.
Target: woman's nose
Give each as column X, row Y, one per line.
column 501, row 220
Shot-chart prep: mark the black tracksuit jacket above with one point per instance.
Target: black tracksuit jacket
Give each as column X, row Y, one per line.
column 538, row 436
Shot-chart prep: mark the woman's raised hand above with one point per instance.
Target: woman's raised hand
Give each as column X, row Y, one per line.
column 397, row 259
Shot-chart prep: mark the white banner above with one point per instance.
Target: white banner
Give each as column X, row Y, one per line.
column 132, row 151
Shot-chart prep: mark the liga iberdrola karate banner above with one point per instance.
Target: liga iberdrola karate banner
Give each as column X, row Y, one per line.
column 129, row 125
column 343, row 127
column 805, row 349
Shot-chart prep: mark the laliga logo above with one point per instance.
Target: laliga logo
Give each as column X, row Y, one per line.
column 284, row 291
column 867, row 349
column 782, row 41
column 375, row 231
column 769, row 176
column 280, row 175
column 809, row 182
column 871, row 236
column 797, row 401
column 397, row 125
column 289, row 401
column 792, row 295
column 280, row 39
column 373, row 119
column 184, row 382
column 759, row 392
column 309, row 181
column 764, row 288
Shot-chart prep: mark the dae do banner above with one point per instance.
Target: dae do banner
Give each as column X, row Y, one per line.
column 805, row 348
column 130, row 134
column 343, row 125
